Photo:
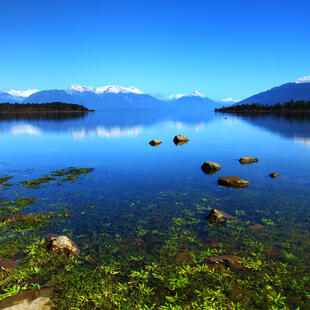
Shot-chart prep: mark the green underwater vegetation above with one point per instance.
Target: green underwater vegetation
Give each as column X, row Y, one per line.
column 147, row 257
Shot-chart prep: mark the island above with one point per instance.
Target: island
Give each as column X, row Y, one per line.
column 299, row 106
column 51, row 107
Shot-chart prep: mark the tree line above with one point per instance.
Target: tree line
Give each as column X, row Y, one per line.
column 289, row 106
column 42, row 107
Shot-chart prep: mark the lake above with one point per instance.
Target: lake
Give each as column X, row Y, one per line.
column 142, row 204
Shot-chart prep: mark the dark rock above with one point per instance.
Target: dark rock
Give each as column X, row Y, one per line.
column 182, row 257
column 219, row 217
column 210, row 167
column 248, row 160
column 155, row 142
column 62, row 245
column 29, row 300
column 274, row 175
column 233, row 181
column 231, row 261
column 180, row 140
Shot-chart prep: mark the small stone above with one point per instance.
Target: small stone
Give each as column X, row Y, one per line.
column 155, row 142
column 256, row 226
column 7, row 264
column 17, row 218
column 274, row 175
column 274, row 251
column 231, row 261
column 248, row 160
column 219, row 217
column 180, row 140
column 233, row 181
column 62, row 245
column 210, row 167
column 182, row 257
column 215, row 244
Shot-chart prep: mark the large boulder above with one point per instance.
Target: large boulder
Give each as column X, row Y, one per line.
column 219, row 217
column 233, row 181
column 155, row 142
column 180, row 140
column 248, row 160
column 62, row 245
column 29, row 300
column 210, row 167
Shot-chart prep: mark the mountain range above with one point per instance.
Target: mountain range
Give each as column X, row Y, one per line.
column 118, row 97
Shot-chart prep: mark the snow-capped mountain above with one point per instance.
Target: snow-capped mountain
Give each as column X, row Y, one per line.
column 22, row 93
column 104, row 89
column 95, row 97
column 297, row 90
column 178, row 96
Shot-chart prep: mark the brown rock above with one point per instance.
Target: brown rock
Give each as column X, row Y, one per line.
column 256, row 226
column 180, row 140
column 182, row 257
column 233, row 181
column 274, row 251
column 7, row 264
column 16, row 218
column 231, row 261
column 248, row 160
column 62, row 245
column 274, row 175
column 210, row 167
column 215, row 244
column 219, row 217
column 29, row 300
column 155, row 142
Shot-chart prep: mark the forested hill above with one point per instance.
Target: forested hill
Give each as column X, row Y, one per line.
column 42, row 107
column 290, row 106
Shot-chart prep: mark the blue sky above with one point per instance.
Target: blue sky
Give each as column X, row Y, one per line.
column 221, row 48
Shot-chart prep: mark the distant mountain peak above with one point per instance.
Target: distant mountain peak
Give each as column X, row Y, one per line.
column 198, row 94
column 305, row 79
column 22, row 93
column 178, row 96
column 105, row 89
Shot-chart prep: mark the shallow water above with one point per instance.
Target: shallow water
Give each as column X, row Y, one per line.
column 137, row 193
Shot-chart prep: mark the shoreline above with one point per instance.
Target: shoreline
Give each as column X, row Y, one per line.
column 44, row 111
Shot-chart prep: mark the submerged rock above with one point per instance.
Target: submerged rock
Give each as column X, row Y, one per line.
column 231, row 261
column 182, row 257
column 219, row 217
column 233, row 181
column 7, row 264
column 155, row 142
column 256, row 226
column 210, row 167
column 17, row 218
column 275, row 251
column 62, row 245
column 248, row 160
column 180, row 140
column 29, row 300
column 274, row 175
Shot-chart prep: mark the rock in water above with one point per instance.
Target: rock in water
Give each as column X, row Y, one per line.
column 155, row 142
column 274, row 175
column 29, row 300
column 233, row 182
column 231, row 261
column 219, row 217
column 180, row 140
column 210, row 167
column 182, row 257
column 248, row 160
column 62, row 245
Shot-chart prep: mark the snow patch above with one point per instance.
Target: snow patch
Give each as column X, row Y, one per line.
column 305, row 79
column 105, row 89
column 22, row 93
